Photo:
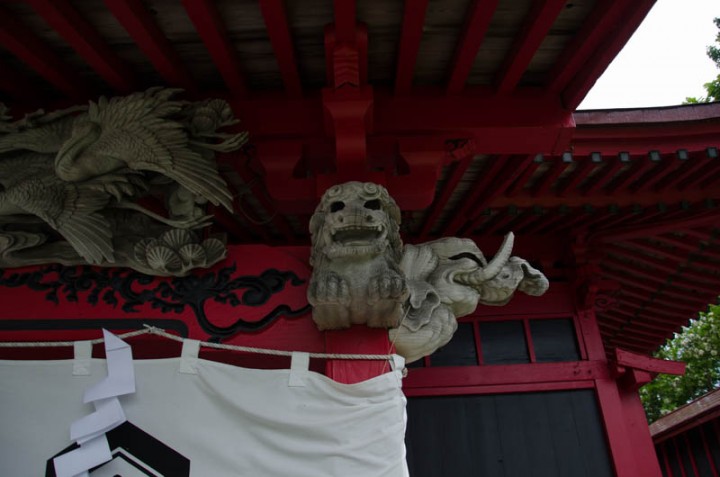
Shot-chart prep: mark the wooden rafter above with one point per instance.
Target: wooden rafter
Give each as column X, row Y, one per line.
column 139, row 23
column 537, row 25
column 458, row 170
column 275, row 17
column 511, row 173
column 476, row 26
column 544, row 184
column 70, row 24
column 412, row 30
column 33, row 51
column 211, row 28
column 495, row 164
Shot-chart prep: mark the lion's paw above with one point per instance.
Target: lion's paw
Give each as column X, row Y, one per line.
column 329, row 289
column 387, row 287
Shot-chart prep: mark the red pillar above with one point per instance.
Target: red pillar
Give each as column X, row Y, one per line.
column 629, row 442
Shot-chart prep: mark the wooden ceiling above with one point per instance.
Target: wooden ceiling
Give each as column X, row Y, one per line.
column 464, row 109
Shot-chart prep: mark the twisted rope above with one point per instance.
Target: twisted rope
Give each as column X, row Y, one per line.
column 205, row 344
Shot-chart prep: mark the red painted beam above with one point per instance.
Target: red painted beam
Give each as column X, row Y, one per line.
column 647, row 363
column 345, row 20
column 83, row 38
column 139, row 23
column 537, row 25
column 211, row 28
column 275, row 17
column 475, row 29
column 33, row 51
column 633, row 14
column 412, row 30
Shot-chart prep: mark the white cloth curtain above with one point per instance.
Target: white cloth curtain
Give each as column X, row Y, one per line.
column 226, row 420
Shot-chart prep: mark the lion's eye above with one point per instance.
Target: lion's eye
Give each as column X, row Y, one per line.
column 373, row 204
column 335, row 206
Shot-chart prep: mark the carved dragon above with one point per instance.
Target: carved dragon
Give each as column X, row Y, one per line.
column 364, row 275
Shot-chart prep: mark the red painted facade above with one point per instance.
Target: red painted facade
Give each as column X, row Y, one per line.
column 472, row 136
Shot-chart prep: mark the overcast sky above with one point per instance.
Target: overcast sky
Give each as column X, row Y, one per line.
column 664, row 61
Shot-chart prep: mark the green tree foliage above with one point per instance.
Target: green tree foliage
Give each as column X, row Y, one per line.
column 698, row 345
column 713, row 87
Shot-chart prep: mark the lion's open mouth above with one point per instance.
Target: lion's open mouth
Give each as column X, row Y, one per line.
column 357, row 235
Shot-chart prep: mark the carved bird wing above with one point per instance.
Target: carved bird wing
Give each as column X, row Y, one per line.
column 18, row 167
column 44, row 133
column 71, row 209
column 139, row 131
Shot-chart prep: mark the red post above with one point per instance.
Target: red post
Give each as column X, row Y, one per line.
column 628, row 435
column 361, row 340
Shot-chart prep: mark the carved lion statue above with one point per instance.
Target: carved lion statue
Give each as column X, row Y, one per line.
column 356, row 252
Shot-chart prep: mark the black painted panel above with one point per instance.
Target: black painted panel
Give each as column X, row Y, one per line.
column 552, row 434
column 460, row 351
column 713, row 441
column 503, row 342
column 698, row 452
column 554, row 340
column 672, row 454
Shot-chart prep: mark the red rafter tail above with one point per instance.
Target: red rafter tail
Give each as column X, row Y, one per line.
column 658, row 170
column 515, row 171
column 458, row 171
column 517, row 186
column 537, row 25
column 500, row 223
column 548, row 179
column 412, row 26
column 628, row 176
column 33, row 51
column 210, row 27
column 500, row 183
column 84, row 39
column 694, row 163
column 481, row 13
column 602, row 178
column 141, row 26
column 273, row 12
column 660, row 227
column 604, row 17
column 668, row 168
column 633, row 15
